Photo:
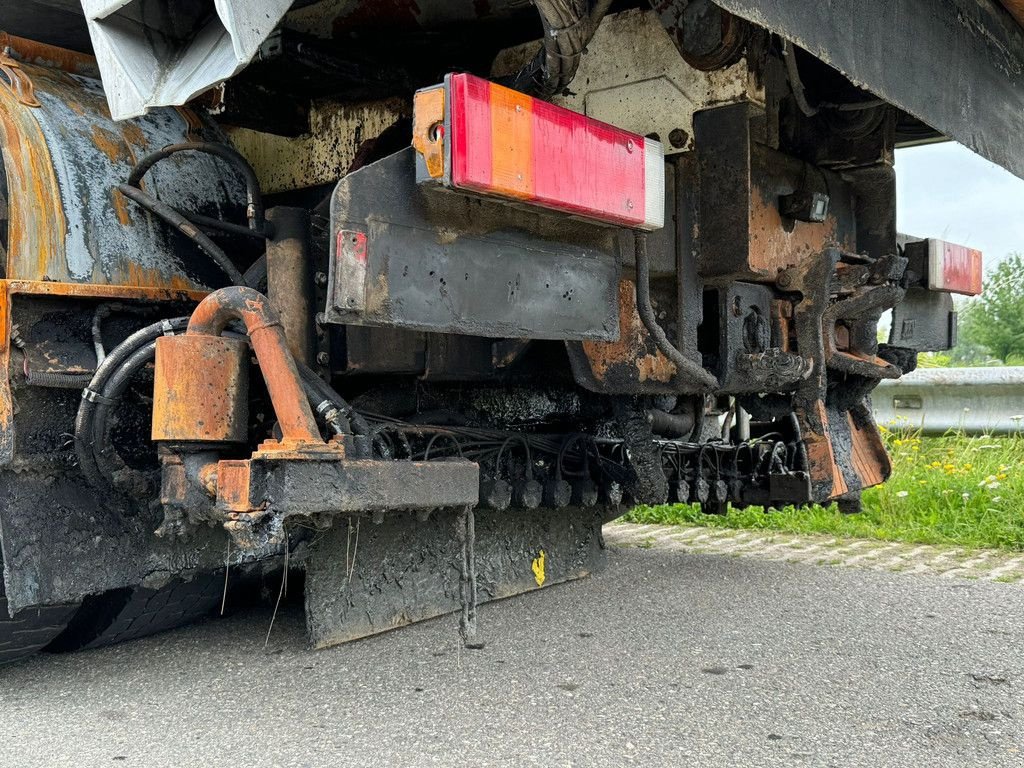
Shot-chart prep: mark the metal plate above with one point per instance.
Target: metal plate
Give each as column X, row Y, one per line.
column 433, row 260
column 404, row 571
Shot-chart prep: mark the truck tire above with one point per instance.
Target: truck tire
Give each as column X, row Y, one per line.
column 135, row 612
column 31, row 629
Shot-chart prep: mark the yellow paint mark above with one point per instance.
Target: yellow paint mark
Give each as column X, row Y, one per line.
column 538, row 569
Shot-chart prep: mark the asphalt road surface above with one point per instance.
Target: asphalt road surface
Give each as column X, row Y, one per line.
column 663, row 659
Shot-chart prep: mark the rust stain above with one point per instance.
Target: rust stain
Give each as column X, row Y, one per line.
column 871, row 461
column 49, row 55
column 632, row 349
column 141, row 276
column 773, row 248
column 33, row 240
column 109, row 144
column 133, row 134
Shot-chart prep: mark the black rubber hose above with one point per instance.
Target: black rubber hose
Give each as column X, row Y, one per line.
column 209, row 223
column 85, row 447
column 568, row 27
column 108, row 460
column 186, row 227
column 57, row 380
column 685, row 367
column 255, row 211
column 322, row 391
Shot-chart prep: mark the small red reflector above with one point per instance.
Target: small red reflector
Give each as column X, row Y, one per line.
column 501, row 143
column 954, row 268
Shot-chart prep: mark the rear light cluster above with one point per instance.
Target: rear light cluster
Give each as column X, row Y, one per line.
column 475, row 136
column 954, row 268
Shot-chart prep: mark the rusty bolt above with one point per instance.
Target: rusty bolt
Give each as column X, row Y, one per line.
column 784, row 280
column 321, row 279
column 323, row 358
column 677, row 137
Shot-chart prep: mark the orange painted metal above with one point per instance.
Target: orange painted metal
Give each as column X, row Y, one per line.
column 428, row 129
column 43, row 55
column 634, row 357
column 1016, row 9
column 88, row 291
column 233, row 486
column 263, row 324
column 200, row 389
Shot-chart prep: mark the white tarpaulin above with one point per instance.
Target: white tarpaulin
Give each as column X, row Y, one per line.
column 163, row 53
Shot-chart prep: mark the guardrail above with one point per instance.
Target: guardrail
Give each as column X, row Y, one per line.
column 937, row 400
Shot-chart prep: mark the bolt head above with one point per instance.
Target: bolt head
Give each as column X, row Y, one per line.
column 323, row 358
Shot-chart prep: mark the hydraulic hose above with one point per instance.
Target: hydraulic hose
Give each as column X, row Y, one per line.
column 568, row 27
column 685, row 367
column 254, row 196
column 186, row 227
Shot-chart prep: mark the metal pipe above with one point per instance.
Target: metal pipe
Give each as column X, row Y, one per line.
column 290, row 278
column 263, row 324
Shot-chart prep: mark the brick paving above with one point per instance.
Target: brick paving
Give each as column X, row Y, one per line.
column 949, row 562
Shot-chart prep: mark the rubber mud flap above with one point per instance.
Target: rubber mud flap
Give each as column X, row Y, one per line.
column 363, row 578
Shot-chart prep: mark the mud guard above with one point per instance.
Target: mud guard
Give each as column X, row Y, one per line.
column 362, row 579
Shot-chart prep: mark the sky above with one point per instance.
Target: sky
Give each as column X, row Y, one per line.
column 947, row 191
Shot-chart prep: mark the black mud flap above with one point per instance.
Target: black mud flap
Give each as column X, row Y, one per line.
column 363, row 578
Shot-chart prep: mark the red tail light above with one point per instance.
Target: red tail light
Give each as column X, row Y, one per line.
column 476, row 136
column 954, row 268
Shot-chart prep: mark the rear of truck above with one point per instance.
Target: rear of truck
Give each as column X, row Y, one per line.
column 416, row 297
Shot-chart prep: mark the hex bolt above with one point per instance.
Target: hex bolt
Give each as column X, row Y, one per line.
column 323, row 358
column 677, row 137
column 321, row 279
column 784, row 280
column 629, row 145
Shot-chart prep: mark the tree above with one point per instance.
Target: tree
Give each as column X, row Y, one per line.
column 995, row 320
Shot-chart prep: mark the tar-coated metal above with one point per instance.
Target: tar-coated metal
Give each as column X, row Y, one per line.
column 357, row 580
column 983, row 109
column 63, row 161
column 433, row 260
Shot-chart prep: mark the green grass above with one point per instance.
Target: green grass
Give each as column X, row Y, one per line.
column 955, row 490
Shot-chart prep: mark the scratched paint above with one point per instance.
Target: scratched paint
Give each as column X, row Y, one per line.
column 80, row 156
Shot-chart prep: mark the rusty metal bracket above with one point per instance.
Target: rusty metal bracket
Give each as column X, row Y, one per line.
column 18, row 82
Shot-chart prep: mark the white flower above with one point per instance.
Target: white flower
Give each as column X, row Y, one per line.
column 966, row 495
column 902, row 494
column 997, row 498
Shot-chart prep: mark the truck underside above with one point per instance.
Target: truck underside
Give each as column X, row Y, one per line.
column 275, row 296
